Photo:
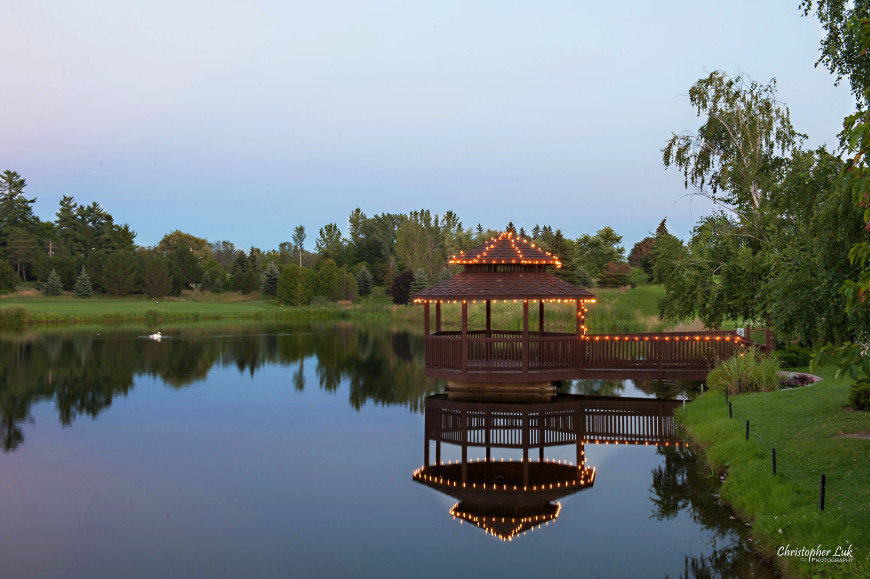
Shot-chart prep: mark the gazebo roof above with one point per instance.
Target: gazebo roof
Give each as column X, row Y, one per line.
column 507, row 248
column 519, row 285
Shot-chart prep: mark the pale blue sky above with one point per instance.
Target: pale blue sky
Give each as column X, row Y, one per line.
column 240, row 120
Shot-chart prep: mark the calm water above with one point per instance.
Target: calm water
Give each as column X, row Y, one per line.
column 288, row 451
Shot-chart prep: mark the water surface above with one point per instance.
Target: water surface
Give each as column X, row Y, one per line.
column 288, row 450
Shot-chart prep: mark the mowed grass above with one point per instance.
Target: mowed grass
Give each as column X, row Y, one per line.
column 101, row 306
column 806, row 426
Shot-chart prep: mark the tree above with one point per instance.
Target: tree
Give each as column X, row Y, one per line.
column 120, row 273
column 842, row 49
column 420, row 243
column 83, row 287
column 364, row 281
column 329, row 280
column 594, row 252
column 53, row 286
column 329, row 244
column 296, row 285
column 14, row 206
column 299, row 241
column 156, row 279
column 8, row 279
column 270, row 279
column 732, row 158
column 421, row 282
column 401, row 288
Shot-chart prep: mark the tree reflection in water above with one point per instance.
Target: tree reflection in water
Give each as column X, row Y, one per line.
column 84, row 370
column 683, row 484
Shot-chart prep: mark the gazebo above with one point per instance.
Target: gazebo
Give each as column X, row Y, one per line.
column 484, row 360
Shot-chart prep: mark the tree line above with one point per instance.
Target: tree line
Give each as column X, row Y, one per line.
column 84, row 251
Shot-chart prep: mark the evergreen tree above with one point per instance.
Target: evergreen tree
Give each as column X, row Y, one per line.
column 421, row 282
column 217, row 287
column 53, row 286
column 156, row 280
column 270, row 279
column 83, row 287
column 583, row 278
column 364, row 281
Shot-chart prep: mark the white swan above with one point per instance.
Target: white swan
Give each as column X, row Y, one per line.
column 156, row 336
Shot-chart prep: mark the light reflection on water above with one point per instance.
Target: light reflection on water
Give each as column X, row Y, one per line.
column 288, row 451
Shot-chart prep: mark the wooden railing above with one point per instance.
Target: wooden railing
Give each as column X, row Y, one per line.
column 571, row 420
column 502, row 351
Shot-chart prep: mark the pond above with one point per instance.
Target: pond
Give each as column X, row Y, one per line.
column 295, row 451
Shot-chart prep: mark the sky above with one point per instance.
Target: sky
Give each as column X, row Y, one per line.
column 241, row 120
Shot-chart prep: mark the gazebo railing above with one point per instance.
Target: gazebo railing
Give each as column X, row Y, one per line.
column 502, row 351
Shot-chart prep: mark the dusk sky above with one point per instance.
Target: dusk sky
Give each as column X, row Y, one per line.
column 241, row 120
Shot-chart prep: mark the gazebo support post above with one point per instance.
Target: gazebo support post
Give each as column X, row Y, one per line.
column 438, row 317
column 426, row 320
column 541, row 318
column 464, row 336
column 579, row 319
column 525, row 336
column 488, row 319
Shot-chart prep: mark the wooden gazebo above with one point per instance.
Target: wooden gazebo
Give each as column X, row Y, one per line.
column 505, row 269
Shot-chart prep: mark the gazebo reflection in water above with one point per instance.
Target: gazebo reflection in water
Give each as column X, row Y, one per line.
column 508, row 498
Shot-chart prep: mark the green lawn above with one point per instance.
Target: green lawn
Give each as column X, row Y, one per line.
column 806, row 427
column 97, row 306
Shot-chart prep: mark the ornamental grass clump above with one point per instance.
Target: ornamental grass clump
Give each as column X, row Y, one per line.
column 748, row 371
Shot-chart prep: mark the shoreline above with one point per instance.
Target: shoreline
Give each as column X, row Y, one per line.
column 809, row 428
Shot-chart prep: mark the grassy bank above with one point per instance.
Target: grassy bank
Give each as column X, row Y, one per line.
column 806, row 426
column 620, row 310
column 29, row 310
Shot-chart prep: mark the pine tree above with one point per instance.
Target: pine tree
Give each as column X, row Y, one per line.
column 421, row 282
column 217, row 287
column 270, row 279
column 364, row 281
column 83, row 287
column 53, row 286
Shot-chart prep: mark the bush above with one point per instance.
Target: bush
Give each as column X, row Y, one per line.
column 13, row 315
column 859, row 396
column 792, row 356
column 615, row 275
column 748, row 371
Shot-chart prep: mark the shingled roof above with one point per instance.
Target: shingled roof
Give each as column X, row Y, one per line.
column 506, row 248
column 536, row 285
column 506, row 267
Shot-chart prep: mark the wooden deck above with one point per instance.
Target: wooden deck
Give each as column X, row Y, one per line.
column 506, row 356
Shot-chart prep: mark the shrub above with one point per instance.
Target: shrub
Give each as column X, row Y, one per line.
column 748, row 371
column 859, row 395
column 13, row 315
column 615, row 275
column 793, row 356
